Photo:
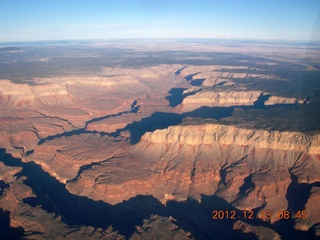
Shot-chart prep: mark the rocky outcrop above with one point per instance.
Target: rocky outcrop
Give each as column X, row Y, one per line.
column 311, row 215
column 282, row 100
column 211, row 82
column 157, row 227
column 258, row 231
column 218, row 98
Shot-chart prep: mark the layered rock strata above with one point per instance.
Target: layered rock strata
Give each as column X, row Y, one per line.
column 189, row 160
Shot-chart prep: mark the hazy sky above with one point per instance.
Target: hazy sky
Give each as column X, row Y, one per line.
column 104, row 19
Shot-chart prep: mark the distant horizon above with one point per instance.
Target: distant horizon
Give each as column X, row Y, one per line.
column 36, row 20
column 159, row 39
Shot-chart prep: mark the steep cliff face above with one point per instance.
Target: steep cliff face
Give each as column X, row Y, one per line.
column 238, row 152
column 231, row 135
column 189, row 160
column 219, row 98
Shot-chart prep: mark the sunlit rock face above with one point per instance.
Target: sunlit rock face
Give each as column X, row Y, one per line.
column 193, row 157
column 210, row 99
column 230, row 135
column 151, row 142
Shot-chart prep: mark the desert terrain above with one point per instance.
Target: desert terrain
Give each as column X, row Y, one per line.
column 155, row 139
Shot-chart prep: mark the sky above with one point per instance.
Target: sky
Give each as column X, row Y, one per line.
column 32, row 20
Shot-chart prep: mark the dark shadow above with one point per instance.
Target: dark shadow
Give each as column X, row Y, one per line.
column 210, row 112
column 85, row 167
column 7, row 232
column 30, row 152
column 158, row 120
column 197, row 82
column 189, row 77
column 161, row 120
column 176, row 96
column 178, row 72
column 298, row 189
column 3, row 186
column 220, row 84
column 134, row 107
column 261, row 100
column 247, row 186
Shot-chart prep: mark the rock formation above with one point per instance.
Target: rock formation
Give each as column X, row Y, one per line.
column 210, row 99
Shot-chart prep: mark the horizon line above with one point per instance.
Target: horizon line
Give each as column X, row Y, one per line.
column 158, row 38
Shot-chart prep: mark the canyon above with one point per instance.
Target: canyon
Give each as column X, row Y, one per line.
column 151, row 147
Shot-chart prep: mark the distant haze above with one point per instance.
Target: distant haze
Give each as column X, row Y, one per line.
column 97, row 19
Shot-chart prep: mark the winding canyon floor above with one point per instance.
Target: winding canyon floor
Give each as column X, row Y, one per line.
column 160, row 140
